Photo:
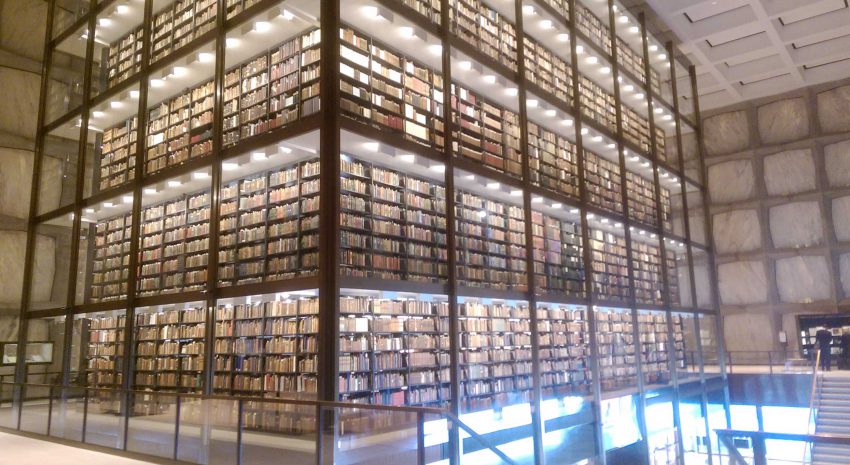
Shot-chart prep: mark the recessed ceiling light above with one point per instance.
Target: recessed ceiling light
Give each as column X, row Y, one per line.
column 407, row 32
column 574, row 210
column 206, row 57
column 231, row 42
column 435, row 49
column 465, row 64
column 174, row 183
column 229, row 166
column 556, row 205
column 258, row 156
column 512, row 91
column 155, row 83
column 567, row 122
column 371, row 146
column 591, row 60
column 662, row 56
column 536, row 199
column 579, row 49
column 440, row 168
column 287, row 15
column 115, row 104
column 628, row 87
column 127, row 198
column 262, row 26
column 623, row 19
column 108, row 204
column 590, row 216
column 371, row 11
column 563, row 37
column 200, row 175
column 527, row 10
column 493, row 185
column 653, row 48
column 516, row 193
column 597, row 138
column 149, row 191
column 407, row 157
column 97, row 114
column 104, row 22
column 584, row 131
column 134, row 94
column 122, row 9
column 605, row 70
column 634, row 29
column 89, row 210
column 179, row 71
column 546, row 24
column 531, row 103
column 489, row 79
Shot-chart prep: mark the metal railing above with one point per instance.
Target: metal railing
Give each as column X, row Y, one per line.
column 204, row 429
column 766, row 448
column 811, row 417
column 769, row 361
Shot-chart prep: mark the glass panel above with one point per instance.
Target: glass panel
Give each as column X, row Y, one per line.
column 696, row 214
column 692, row 417
column 57, row 184
column 269, row 209
column 616, row 346
column 678, row 274
column 179, row 25
column 52, row 256
column 174, row 235
column 708, row 338
column 104, row 259
column 745, row 418
column 45, row 342
column 272, row 70
column 569, row 429
column 717, row 419
column 35, row 409
column 267, row 345
column 647, row 268
column 8, row 409
column 703, row 278
column 67, row 419
column 273, row 430
column 66, row 13
column 557, row 251
column 117, row 44
column 691, row 154
column 207, row 431
column 640, row 190
column 362, row 436
column 684, row 90
column 180, row 101
column 150, row 430
column 610, row 260
column 661, row 429
column 111, row 142
column 97, row 349
column 65, row 78
column 169, row 353
column 655, row 347
column 687, row 353
column 619, row 422
column 103, row 426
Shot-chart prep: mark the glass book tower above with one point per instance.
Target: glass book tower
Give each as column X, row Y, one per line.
column 494, row 207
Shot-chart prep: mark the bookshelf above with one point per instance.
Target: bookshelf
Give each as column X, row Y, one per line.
column 616, row 346
column 485, row 30
column 110, row 258
column 269, row 225
column 124, row 57
column 429, row 9
column 490, row 243
column 390, row 91
column 178, row 24
column 394, row 351
column 267, row 348
column 646, row 268
column 603, row 181
column 564, row 350
column 169, row 351
column 117, row 160
column 610, row 266
column 547, row 71
column 553, row 160
column 557, row 252
column 393, row 225
column 104, row 353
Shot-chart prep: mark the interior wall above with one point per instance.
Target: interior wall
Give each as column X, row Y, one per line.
column 22, row 26
column 779, row 198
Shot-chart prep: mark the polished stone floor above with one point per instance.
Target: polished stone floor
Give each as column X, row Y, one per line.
column 20, row 450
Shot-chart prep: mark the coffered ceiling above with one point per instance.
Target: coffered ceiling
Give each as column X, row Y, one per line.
column 747, row 49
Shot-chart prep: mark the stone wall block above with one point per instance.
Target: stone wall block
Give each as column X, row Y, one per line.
column 731, row 181
column 803, row 279
column 797, row 224
column 748, row 332
column 789, row 172
column 783, row 121
column 837, row 163
column 15, row 179
column 832, row 109
column 742, row 283
column 726, row 133
column 737, row 231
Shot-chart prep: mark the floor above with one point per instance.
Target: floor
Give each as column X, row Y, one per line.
column 20, row 450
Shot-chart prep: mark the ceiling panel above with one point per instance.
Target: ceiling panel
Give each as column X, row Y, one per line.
column 746, row 49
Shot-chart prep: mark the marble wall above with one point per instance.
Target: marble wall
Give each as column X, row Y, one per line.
column 778, row 173
column 22, row 30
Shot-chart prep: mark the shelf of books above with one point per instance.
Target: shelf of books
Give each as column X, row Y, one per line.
column 269, row 225
column 104, row 350
column 616, row 347
column 557, row 253
column 429, row 9
column 485, row 132
column 549, row 72
column 110, row 258
column 174, row 244
column 267, row 348
column 603, row 181
column 273, row 89
column 646, row 269
column 180, row 128
column 553, row 160
column 655, row 346
column 392, row 92
column 485, row 30
column 124, row 57
column 495, row 354
column 169, row 350
column 117, row 154
column 178, row 24
column 490, row 243
column 393, row 225
column 394, row 351
column 564, row 350
column 610, row 266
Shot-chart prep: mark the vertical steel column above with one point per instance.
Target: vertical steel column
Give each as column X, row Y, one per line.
column 587, row 259
column 451, row 225
column 615, row 73
column 329, row 151
column 536, row 392
column 677, row 417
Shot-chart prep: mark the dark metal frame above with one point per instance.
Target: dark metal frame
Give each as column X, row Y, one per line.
column 329, row 123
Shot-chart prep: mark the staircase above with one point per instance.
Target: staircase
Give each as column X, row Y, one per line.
column 832, row 400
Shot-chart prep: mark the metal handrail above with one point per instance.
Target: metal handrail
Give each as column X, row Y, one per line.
column 812, row 400
column 759, row 438
column 421, row 412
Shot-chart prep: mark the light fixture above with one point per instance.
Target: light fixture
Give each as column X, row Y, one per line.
column 134, row 94
column 536, row 199
column 546, row 24
column 108, row 204
column 590, row 216
column 489, row 78
column 527, row 10
column 611, row 145
column 258, row 156
column 229, row 166
column 482, row 214
column 574, row 210
column 658, row 111
column 597, row 138
column 511, row 91
column 440, row 168
column 653, row 48
column 104, row 22
column 584, row 131
column 628, row 87
column 645, row 164
column 642, row 232
column 531, row 103
column 156, row 83
column 556, row 205
column 89, row 210
column 206, row 57
column 435, row 49
column 231, row 42
column 407, row 32
column 591, row 60
column 579, row 49
column 662, row 56
column 605, row 70
column 115, row 104
column 200, row 175
column 604, row 221
column 149, row 191
column 469, row 177
column 623, row 19
column 634, row 29
column 97, row 114
column 550, row 113
column 652, row 236
column 407, row 157
column 563, row 37
column 667, row 117
column 493, row 185
column 516, row 193
column 127, row 198
column 122, row 9
column 618, row 225
column 179, row 71
column 262, row 26
column 371, row 146
column 465, row 65
column 635, row 158
column 371, row 11
column 284, row 149
column 639, row 96
column 287, row 15
column 174, row 183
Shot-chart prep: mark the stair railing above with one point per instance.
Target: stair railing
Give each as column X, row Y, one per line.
column 809, row 446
